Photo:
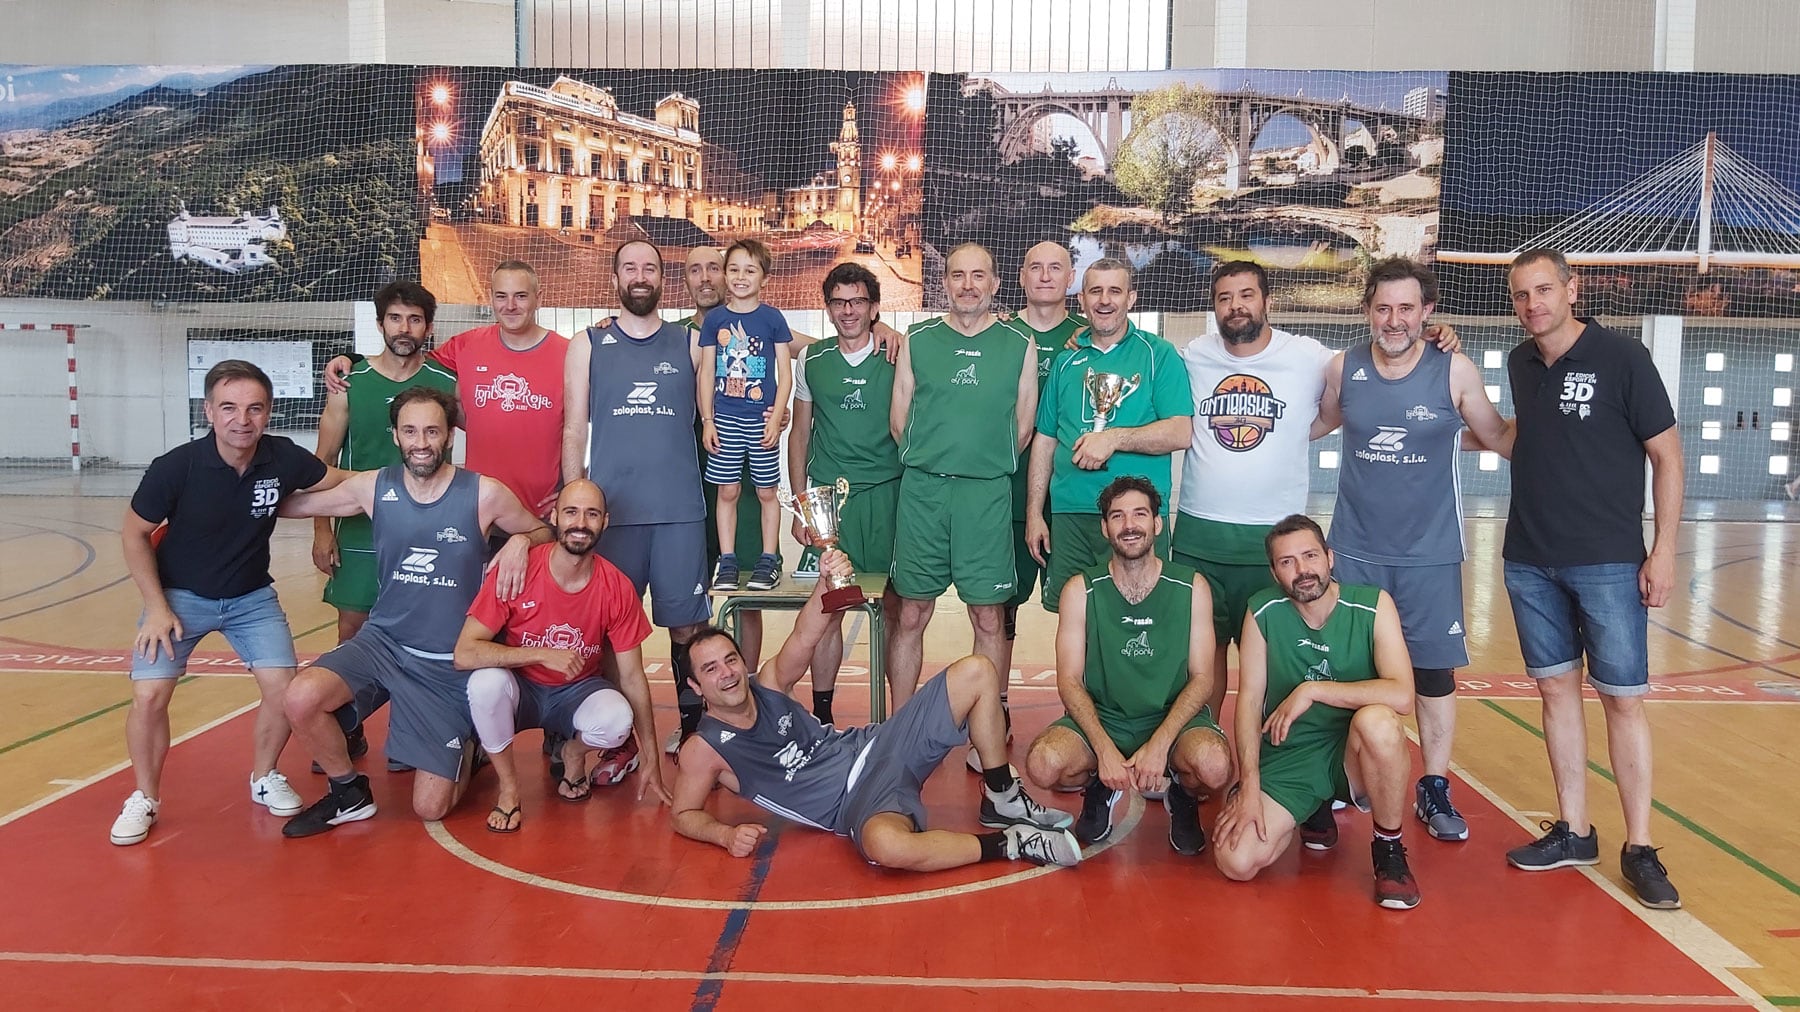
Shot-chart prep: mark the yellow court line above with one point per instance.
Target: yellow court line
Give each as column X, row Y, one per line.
column 872, row 980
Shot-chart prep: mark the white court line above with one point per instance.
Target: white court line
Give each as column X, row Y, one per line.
column 459, row 850
column 77, row 785
column 1690, row 936
column 872, row 980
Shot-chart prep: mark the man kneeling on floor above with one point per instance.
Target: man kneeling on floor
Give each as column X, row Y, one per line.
column 1325, row 678
column 1134, row 654
column 862, row 782
column 537, row 662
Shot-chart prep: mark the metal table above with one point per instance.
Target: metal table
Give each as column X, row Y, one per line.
column 792, row 594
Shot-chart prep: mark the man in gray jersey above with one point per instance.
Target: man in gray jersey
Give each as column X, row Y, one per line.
column 431, row 520
column 861, row 782
column 633, row 380
column 1398, row 524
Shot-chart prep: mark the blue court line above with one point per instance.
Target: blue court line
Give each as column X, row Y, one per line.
column 706, row 996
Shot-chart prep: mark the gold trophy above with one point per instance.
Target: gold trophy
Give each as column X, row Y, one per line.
column 817, row 510
column 1108, row 390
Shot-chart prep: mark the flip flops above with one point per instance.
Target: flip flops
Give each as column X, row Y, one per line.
column 509, row 819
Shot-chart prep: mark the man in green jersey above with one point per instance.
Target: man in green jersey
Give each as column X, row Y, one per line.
column 1134, row 668
column 354, row 435
column 965, row 393
column 1325, row 678
column 842, row 392
column 1077, row 451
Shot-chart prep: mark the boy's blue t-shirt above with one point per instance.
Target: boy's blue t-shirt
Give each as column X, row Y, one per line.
column 744, row 380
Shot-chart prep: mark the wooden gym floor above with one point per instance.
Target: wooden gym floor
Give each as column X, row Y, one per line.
column 601, row 901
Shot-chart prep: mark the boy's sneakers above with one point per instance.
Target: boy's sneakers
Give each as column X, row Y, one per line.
column 1013, row 807
column 726, row 580
column 1319, row 831
column 351, row 802
column 1559, row 847
column 1185, row 833
column 1042, row 846
column 273, row 792
column 1645, row 873
column 766, row 574
column 1432, row 806
column 1395, row 888
column 135, row 820
column 1096, row 822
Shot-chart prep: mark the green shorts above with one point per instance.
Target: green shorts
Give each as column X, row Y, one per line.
column 954, row 531
column 353, row 585
column 867, row 519
column 1301, row 777
column 1025, row 569
column 1198, row 543
column 1129, row 737
column 1077, row 545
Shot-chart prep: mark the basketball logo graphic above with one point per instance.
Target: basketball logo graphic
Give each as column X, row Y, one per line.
column 1241, row 411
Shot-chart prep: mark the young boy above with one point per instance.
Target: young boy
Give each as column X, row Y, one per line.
column 746, row 373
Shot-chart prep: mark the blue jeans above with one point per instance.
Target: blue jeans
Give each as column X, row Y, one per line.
column 1562, row 612
column 253, row 624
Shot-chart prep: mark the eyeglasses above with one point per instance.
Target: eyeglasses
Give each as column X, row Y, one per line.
column 836, row 304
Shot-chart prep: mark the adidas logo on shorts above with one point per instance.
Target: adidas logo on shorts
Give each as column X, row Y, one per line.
column 454, row 742
column 1455, row 629
column 699, row 588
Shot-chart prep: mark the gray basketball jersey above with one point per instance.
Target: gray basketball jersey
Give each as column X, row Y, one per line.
column 1399, row 492
column 789, row 763
column 429, row 558
column 641, row 407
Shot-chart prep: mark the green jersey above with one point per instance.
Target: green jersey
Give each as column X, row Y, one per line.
column 1137, row 654
column 1342, row 651
column 963, row 418
column 1065, row 411
column 369, row 439
column 850, row 435
column 1049, row 342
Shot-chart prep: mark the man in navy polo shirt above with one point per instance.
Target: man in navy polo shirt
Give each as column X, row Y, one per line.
column 1591, row 406
column 210, row 573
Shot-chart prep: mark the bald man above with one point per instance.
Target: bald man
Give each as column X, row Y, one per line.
column 536, row 660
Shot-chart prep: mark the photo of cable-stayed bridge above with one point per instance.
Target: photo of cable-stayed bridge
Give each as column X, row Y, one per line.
column 1667, row 196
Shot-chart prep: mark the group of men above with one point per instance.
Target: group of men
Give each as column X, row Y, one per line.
column 973, row 423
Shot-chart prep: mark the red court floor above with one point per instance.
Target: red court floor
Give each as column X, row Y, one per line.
column 599, row 903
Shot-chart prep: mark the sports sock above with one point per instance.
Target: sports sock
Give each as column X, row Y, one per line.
column 822, row 705
column 993, row 846
column 999, row 779
column 1383, row 833
column 343, row 781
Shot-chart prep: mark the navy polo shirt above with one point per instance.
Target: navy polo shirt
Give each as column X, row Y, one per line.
column 1578, row 461
column 217, row 545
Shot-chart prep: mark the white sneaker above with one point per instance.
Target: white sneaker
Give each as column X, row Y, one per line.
column 134, row 821
column 1042, row 846
column 273, row 793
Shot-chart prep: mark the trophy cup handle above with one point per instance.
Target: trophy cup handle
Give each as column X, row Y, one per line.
column 1130, row 385
column 842, row 487
column 787, row 500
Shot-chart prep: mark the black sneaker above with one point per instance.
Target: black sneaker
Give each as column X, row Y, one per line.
column 1395, row 887
column 1319, row 831
column 356, row 743
column 1559, row 847
column 1096, row 821
column 1185, row 832
column 351, row 802
column 1432, row 806
column 766, row 574
column 726, row 579
column 1647, row 877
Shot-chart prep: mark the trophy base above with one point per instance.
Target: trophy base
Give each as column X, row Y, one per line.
column 843, row 599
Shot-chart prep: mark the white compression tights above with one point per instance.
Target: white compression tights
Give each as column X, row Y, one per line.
column 603, row 720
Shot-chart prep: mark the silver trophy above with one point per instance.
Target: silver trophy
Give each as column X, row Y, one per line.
column 1106, row 391
column 817, row 510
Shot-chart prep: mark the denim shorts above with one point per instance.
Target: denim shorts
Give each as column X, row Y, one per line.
column 1563, row 612
column 253, row 624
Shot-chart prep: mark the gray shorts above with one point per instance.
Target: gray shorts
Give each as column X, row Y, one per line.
column 428, row 720
column 552, row 707
column 670, row 559
column 1430, row 602
column 908, row 747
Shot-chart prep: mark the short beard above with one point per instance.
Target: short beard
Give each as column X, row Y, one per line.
column 413, row 346
column 1247, row 334
column 640, row 305
column 1303, row 597
column 593, row 540
column 1144, row 548
column 418, row 470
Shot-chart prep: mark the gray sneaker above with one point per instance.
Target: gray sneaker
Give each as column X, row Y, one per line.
column 1014, row 807
column 1645, row 873
column 1042, row 846
column 1559, row 847
column 1432, row 806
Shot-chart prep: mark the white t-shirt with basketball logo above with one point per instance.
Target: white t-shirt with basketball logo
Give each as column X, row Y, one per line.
column 1247, row 462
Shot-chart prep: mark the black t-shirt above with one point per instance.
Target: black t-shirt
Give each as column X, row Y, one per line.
column 1578, row 461
column 217, row 545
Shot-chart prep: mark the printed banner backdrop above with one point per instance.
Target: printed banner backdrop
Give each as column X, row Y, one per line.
column 558, row 168
column 1310, row 173
column 1669, row 193
column 206, row 183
